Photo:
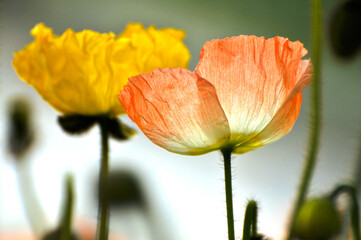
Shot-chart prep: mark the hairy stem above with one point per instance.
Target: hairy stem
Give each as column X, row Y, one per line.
column 314, row 140
column 250, row 221
column 228, row 186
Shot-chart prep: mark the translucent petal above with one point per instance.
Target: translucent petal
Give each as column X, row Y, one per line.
column 254, row 78
column 177, row 110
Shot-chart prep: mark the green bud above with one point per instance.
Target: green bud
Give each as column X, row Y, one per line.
column 317, row 220
column 20, row 133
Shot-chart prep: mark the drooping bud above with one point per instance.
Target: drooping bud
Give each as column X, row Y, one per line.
column 79, row 124
column 123, row 188
column 317, row 219
column 20, row 133
column 76, row 124
column 345, row 29
column 119, row 130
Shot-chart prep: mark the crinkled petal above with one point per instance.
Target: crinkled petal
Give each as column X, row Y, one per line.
column 254, row 78
column 286, row 116
column 74, row 72
column 278, row 127
column 177, row 110
column 157, row 48
column 82, row 73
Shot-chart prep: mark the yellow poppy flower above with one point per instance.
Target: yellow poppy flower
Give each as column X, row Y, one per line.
column 82, row 73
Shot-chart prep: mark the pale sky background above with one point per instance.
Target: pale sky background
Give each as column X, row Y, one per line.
column 186, row 194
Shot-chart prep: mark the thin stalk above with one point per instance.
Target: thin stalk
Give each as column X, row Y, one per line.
column 34, row 212
column 355, row 218
column 250, row 221
column 357, row 173
column 356, row 182
column 228, row 186
column 354, row 209
column 315, row 123
column 66, row 220
column 103, row 208
column 254, row 230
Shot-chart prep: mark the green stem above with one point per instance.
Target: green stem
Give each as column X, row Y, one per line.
column 254, row 232
column 314, row 141
column 355, row 218
column 250, row 221
column 228, row 185
column 66, row 220
column 356, row 182
column 103, row 210
column 33, row 209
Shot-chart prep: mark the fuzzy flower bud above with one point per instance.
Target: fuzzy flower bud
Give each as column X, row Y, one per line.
column 317, row 219
column 20, row 133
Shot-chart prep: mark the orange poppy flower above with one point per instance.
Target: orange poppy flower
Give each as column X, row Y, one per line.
column 245, row 93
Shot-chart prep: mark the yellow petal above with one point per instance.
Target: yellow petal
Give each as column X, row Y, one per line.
column 131, row 29
column 178, row 34
column 82, row 72
column 157, row 48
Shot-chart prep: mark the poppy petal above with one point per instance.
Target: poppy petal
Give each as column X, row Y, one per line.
column 254, row 78
column 177, row 110
column 286, row 116
column 80, row 73
column 278, row 127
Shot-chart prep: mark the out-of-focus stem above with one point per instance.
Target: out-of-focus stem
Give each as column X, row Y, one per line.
column 103, row 210
column 356, row 182
column 315, row 124
column 354, row 209
column 357, row 173
column 66, row 220
column 34, row 212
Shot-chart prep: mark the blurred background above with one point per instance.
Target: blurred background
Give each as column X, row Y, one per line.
column 184, row 196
